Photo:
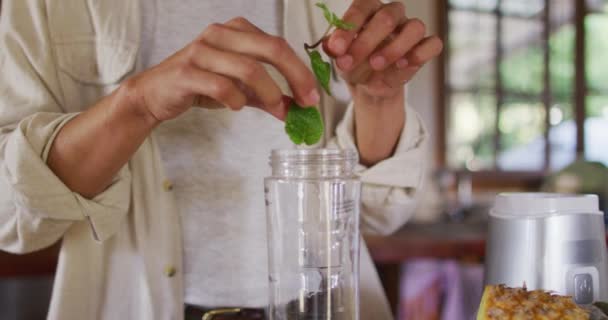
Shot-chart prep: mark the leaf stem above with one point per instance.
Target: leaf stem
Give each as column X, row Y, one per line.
column 309, row 47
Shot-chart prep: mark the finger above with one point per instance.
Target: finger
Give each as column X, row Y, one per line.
column 427, row 49
column 402, row 70
column 326, row 49
column 208, row 103
column 358, row 13
column 247, row 70
column 383, row 23
column 270, row 49
column 406, row 67
column 214, row 86
column 412, row 32
column 360, row 74
column 280, row 114
column 242, row 24
column 395, row 77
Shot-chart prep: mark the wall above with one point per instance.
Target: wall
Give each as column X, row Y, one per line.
column 422, row 95
column 422, row 89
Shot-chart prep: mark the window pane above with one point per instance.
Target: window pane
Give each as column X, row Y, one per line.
column 521, row 127
column 488, row 5
column 526, row 8
column 561, row 46
column 471, row 131
column 597, row 48
column 598, row 5
column 472, row 52
column 562, row 130
column 522, row 66
column 562, row 135
column 596, row 123
column 597, row 106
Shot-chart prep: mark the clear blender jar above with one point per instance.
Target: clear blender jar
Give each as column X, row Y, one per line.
column 312, row 203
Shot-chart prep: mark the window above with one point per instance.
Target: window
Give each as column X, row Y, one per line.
column 525, row 84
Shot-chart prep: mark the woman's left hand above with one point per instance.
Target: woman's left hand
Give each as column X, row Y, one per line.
column 384, row 50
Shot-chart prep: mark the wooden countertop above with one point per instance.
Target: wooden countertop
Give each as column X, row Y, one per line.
column 437, row 240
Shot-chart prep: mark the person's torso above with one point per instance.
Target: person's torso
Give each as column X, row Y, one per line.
column 216, row 160
column 95, row 49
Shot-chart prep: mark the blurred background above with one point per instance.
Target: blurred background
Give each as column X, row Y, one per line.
column 517, row 102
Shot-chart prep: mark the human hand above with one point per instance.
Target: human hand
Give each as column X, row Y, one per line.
column 384, row 50
column 224, row 65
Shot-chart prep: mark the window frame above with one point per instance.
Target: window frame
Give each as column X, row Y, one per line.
column 497, row 177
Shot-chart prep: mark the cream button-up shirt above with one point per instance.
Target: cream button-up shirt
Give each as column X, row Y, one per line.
column 121, row 252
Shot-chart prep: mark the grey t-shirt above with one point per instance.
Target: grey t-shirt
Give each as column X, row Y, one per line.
column 217, row 160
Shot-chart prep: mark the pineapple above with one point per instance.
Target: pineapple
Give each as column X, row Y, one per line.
column 503, row 303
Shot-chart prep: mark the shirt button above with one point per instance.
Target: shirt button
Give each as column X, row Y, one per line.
column 170, row 271
column 167, row 185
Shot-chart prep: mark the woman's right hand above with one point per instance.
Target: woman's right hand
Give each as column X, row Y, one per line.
column 224, row 64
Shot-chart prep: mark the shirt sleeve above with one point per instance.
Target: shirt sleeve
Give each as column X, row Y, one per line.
column 389, row 187
column 36, row 207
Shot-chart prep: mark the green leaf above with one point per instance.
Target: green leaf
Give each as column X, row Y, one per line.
column 304, row 125
column 326, row 12
column 341, row 24
column 321, row 69
column 333, row 19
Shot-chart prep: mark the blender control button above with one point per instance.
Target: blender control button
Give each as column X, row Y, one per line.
column 583, row 288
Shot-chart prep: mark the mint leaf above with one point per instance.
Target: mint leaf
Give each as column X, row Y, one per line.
column 304, row 125
column 333, row 19
column 326, row 12
column 321, row 69
column 341, row 24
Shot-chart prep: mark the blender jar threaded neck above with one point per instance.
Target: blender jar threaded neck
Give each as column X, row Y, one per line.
column 313, row 163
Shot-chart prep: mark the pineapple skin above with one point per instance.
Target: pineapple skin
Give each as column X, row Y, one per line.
column 503, row 303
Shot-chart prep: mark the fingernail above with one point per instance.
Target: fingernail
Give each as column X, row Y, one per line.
column 338, row 45
column 402, row 63
column 345, row 62
column 313, row 97
column 377, row 62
